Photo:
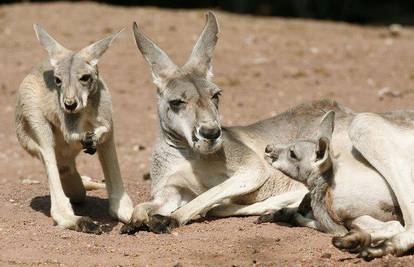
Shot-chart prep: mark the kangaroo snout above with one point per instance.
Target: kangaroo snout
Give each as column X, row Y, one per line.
column 70, row 104
column 272, row 152
column 210, row 132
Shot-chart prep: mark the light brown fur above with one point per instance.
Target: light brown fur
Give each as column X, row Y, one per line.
column 63, row 106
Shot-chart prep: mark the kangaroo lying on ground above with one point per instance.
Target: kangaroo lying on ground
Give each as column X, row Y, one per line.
column 339, row 201
column 63, row 106
column 199, row 166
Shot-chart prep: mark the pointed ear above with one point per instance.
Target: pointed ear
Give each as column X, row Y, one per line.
column 161, row 65
column 326, row 128
column 93, row 52
column 55, row 50
column 200, row 59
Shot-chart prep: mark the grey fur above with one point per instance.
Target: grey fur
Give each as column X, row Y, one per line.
column 46, row 128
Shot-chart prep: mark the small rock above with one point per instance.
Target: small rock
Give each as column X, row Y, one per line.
column 178, row 264
column 125, row 253
column 174, row 233
column 314, row 50
column 146, row 176
column 326, row 255
column 12, row 200
column 395, row 30
column 386, row 91
column 30, row 181
column 260, row 60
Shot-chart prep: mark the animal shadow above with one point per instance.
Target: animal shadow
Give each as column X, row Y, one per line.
column 94, row 207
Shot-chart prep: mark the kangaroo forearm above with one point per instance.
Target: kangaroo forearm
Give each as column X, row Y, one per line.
column 237, row 185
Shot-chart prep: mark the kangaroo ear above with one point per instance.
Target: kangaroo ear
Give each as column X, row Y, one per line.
column 161, row 65
column 325, row 136
column 326, row 127
column 93, row 52
column 55, row 50
column 200, row 59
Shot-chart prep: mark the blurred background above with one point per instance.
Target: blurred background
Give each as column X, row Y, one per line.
column 358, row 11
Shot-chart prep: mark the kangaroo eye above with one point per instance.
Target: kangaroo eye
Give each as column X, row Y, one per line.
column 216, row 96
column 292, row 154
column 176, row 103
column 58, row 81
column 85, row 78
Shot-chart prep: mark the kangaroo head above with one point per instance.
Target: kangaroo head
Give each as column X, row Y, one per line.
column 304, row 159
column 75, row 73
column 187, row 99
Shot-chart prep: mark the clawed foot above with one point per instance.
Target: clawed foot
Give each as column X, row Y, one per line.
column 282, row 215
column 87, row 225
column 89, row 143
column 157, row 223
column 353, row 242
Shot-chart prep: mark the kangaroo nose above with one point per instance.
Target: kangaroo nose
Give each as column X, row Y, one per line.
column 210, row 133
column 70, row 104
column 269, row 149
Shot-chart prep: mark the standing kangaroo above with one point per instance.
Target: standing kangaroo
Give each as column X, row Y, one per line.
column 63, row 106
column 200, row 166
column 339, row 201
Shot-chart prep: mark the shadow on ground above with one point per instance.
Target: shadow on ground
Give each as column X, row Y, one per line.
column 94, row 207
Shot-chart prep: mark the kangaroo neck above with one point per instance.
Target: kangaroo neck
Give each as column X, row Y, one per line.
column 321, row 201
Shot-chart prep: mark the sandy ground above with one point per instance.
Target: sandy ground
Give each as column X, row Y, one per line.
column 263, row 65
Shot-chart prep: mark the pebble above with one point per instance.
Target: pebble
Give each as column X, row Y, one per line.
column 395, row 30
column 146, row 176
column 326, row 255
column 30, row 181
column 386, row 91
column 314, row 50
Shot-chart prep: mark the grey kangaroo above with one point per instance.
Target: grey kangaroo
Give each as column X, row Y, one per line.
column 63, row 107
column 364, row 204
column 198, row 166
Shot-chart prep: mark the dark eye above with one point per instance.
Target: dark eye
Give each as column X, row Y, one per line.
column 176, row 103
column 292, row 154
column 85, row 78
column 216, row 96
column 58, row 81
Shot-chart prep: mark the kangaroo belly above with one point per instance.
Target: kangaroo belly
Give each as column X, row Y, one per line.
column 361, row 190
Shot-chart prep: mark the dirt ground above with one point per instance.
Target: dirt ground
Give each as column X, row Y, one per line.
column 263, row 65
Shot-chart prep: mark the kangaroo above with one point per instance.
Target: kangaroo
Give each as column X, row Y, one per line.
column 339, row 202
column 63, row 106
column 200, row 167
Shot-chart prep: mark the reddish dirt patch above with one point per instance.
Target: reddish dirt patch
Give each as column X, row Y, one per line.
column 263, row 65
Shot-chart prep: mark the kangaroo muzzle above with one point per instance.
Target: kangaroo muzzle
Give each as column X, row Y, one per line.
column 207, row 137
column 272, row 153
column 210, row 133
column 70, row 104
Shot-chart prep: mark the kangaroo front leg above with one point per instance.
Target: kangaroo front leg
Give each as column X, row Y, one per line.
column 269, row 205
column 388, row 148
column 120, row 204
column 242, row 183
column 61, row 209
